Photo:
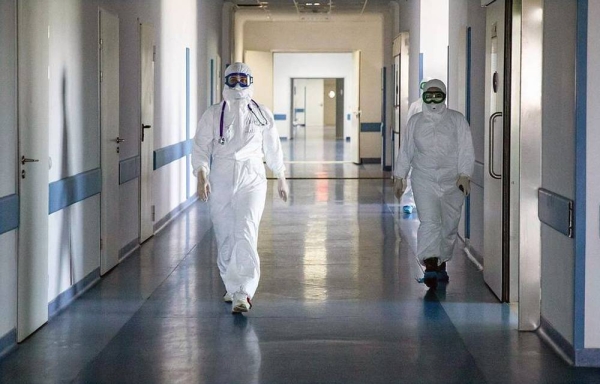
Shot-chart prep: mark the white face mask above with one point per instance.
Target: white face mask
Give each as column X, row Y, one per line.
column 434, row 108
column 237, row 93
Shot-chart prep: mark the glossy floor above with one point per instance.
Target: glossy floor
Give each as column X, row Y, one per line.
column 337, row 303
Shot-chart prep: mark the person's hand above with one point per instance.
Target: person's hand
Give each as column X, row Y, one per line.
column 399, row 187
column 282, row 189
column 464, row 184
column 203, row 185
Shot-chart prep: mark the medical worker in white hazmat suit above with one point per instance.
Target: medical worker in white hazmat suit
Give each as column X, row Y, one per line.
column 437, row 144
column 407, row 200
column 231, row 139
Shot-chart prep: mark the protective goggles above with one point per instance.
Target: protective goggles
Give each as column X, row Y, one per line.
column 242, row 79
column 435, row 97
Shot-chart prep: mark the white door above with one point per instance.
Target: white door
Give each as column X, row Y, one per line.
column 147, row 131
column 396, row 125
column 494, row 97
column 109, row 134
column 314, row 111
column 355, row 128
column 33, row 85
column 401, row 65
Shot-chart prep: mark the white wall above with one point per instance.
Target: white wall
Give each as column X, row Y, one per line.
column 434, row 38
column 558, row 169
column 592, row 260
column 410, row 21
column 177, row 30
column 74, row 138
column 308, row 65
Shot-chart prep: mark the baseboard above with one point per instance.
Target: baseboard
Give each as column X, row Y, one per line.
column 129, row 248
column 162, row 223
column 8, row 342
column 557, row 342
column 64, row 299
column 370, row 160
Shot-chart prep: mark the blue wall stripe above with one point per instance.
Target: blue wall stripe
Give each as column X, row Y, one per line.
column 348, row 117
column 468, row 117
column 73, row 189
column 129, row 169
column 468, row 78
column 8, row 342
column 212, row 74
column 65, row 298
column 383, row 117
column 299, row 110
column 9, row 213
column 370, row 127
column 580, row 173
column 421, row 60
column 280, row 116
column 166, row 155
column 187, row 111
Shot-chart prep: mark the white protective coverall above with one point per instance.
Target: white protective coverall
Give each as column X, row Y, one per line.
column 438, row 145
column 237, row 178
column 408, row 198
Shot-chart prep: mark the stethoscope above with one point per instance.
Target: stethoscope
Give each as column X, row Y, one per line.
column 262, row 120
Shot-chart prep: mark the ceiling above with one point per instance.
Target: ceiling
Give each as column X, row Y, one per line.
column 314, row 7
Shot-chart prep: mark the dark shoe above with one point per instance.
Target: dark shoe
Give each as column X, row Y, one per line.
column 430, row 277
column 442, row 275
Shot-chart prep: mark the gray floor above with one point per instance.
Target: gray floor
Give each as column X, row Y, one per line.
column 338, row 303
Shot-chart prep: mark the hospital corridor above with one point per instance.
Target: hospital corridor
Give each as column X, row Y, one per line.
column 294, row 191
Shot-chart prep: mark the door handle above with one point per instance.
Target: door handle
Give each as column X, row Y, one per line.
column 145, row 126
column 492, row 125
column 119, row 140
column 25, row 160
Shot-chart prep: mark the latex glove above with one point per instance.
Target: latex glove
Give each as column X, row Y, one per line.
column 464, row 184
column 399, row 187
column 203, row 185
column 282, row 188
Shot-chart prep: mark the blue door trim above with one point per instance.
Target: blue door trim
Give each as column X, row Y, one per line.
column 580, row 173
column 9, row 213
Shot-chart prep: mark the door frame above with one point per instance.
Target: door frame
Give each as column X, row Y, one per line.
column 108, row 116
column 146, row 201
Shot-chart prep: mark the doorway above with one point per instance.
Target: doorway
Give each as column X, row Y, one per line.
column 317, row 111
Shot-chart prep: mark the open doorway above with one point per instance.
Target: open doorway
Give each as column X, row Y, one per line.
column 317, row 111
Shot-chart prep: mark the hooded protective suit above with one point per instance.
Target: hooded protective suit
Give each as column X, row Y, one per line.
column 236, row 172
column 438, row 145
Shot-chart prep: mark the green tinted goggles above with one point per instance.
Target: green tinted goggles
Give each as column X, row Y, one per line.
column 435, row 97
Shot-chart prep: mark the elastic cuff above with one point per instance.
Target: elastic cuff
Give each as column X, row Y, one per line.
column 201, row 169
column 281, row 175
